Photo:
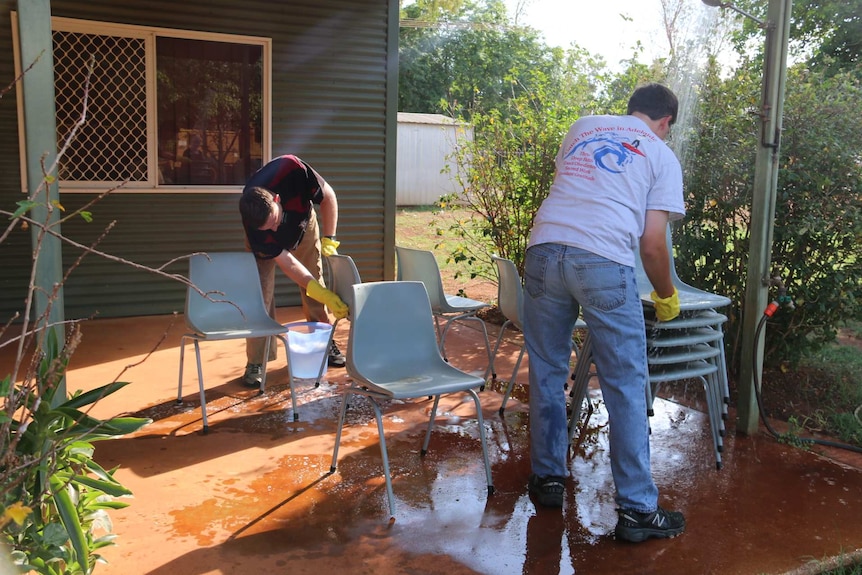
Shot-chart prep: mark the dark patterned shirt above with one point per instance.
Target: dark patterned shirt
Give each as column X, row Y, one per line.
column 297, row 186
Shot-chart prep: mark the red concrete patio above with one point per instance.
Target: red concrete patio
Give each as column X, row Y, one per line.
column 255, row 494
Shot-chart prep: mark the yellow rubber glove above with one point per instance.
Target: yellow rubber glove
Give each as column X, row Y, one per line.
column 329, row 246
column 666, row 308
column 328, row 298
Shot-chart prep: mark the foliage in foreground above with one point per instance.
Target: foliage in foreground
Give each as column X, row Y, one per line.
column 62, row 495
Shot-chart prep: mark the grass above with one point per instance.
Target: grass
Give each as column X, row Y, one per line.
column 428, row 228
column 841, row 411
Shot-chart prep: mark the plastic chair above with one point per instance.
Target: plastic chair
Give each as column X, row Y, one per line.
column 510, row 299
column 233, row 309
column 342, row 276
column 690, row 297
column 420, row 265
column 392, row 353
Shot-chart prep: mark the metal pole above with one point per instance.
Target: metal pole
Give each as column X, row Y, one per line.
column 763, row 210
column 40, row 129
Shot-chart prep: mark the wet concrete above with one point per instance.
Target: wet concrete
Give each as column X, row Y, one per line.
column 256, row 494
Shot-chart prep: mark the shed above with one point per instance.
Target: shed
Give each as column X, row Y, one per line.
column 426, row 169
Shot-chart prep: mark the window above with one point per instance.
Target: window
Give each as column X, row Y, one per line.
column 163, row 110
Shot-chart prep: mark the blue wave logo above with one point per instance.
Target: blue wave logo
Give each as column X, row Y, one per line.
column 612, row 154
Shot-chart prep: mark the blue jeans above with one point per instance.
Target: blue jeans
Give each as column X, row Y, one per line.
column 559, row 281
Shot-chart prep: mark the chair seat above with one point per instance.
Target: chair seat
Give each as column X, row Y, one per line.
column 456, row 303
column 683, row 354
column 252, row 331
column 684, row 337
column 703, row 318
column 438, row 381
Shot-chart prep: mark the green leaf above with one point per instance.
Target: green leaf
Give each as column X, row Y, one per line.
column 23, row 207
column 112, row 488
column 87, row 216
column 69, row 517
column 95, row 395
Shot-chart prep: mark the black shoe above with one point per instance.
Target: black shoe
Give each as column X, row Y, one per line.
column 548, row 490
column 336, row 358
column 636, row 527
column 253, row 375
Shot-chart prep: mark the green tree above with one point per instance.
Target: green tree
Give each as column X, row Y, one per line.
column 463, row 62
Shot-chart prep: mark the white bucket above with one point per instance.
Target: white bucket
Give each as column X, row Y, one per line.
column 307, row 348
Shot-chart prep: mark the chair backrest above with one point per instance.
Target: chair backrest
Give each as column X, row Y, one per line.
column 230, row 280
column 691, row 298
column 421, row 266
column 344, row 276
column 392, row 334
column 510, row 291
column 644, row 285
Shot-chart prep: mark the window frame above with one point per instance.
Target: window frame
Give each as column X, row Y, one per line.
column 149, row 35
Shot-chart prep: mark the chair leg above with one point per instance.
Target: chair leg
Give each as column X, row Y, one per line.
column 494, row 353
column 483, row 440
column 325, row 356
column 580, row 385
column 290, row 378
column 385, row 456
column 341, row 417
column 201, row 386
column 182, row 359
column 511, row 383
column 430, row 426
column 262, row 387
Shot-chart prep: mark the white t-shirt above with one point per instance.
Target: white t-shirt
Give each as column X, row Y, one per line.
column 610, row 171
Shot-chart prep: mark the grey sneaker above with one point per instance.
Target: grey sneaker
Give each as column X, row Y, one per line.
column 636, row 527
column 253, row 375
column 336, row 358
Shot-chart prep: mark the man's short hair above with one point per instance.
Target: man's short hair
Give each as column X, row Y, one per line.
column 654, row 100
column 255, row 206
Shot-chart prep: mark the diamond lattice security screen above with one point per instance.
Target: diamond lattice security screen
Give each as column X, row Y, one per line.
column 108, row 73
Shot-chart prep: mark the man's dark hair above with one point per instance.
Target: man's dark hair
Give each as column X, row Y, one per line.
column 255, row 206
column 654, row 100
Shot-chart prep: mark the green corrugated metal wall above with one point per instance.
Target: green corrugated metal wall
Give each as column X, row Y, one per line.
column 333, row 104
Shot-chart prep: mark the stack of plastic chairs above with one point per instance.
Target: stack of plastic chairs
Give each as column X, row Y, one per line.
column 689, row 347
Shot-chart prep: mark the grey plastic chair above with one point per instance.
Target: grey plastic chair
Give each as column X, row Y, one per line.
column 392, row 353
column 342, row 276
column 510, row 299
column 421, row 266
column 233, row 309
column 690, row 297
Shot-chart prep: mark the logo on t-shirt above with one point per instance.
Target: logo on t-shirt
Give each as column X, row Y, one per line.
column 610, row 152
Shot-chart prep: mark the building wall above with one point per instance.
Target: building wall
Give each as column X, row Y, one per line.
column 426, row 169
column 334, row 92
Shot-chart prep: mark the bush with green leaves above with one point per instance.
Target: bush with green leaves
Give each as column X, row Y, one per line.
column 506, row 169
column 817, row 241
column 48, row 468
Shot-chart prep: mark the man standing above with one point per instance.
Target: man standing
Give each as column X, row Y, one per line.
column 281, row 229
column 616, row 187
